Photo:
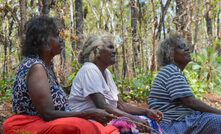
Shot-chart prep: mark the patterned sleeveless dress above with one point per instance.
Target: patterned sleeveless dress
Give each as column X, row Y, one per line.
column 21, row 100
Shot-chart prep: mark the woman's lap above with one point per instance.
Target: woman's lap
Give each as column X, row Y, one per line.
column 34, row 124
column 194, row 124
column 128, row 127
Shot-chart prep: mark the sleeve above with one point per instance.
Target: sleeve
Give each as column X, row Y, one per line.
column 178, row 87
column 92, row 82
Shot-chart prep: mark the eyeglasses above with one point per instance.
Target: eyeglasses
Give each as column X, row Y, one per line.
column 182, row 46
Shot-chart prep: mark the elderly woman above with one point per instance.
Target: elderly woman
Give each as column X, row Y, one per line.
column 93, row 87
column 39, row 103
column 171, row 94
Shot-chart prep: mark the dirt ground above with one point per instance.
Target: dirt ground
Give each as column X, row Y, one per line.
column 211, row 99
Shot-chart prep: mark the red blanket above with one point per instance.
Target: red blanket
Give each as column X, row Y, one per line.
column 69, row 125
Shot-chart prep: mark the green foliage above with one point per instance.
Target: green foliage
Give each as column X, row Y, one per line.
column 207, row 66
column 203, row 74
column 74, row 72
column 198, row 87
column 22, row 132
column 136, row 88
column 6, row 85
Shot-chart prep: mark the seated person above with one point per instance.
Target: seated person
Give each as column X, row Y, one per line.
column 171, row 94
column 93, row 87
column 39, row 103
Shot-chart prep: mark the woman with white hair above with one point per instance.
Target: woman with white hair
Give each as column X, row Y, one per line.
column 171, row 94
column 93, row 87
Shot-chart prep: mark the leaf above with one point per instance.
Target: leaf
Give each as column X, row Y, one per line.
column 196, row 66
column 218, row 59
column 205, row 74
column 200, row 58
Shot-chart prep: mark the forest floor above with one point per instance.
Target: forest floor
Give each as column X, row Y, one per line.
column 211, row 99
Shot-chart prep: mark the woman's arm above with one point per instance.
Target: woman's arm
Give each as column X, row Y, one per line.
column 99, row 101
column 39, row 90
column 154, row 114
column 196, row 104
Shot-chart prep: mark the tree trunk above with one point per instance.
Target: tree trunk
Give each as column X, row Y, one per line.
column 125, row 68
column 79, row 22
column 23, row 4
column 72, row 29
column 163, row 12
column 184, row 19
column 45, row 8
column 218, row 25
column 134, row 14
column 140, row 40
column 180, row 15
column 209, row 25
column 5, row 43
column 154, row 58
column 196, row 24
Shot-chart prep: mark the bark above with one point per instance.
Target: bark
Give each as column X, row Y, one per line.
column 218, row 25
column 154, row 58
column 79, row 22
column 180, row 15
column 140, row 40
column 209, row 25
column 125, row 68
column 72, row 28
column 184, row 11
column 5, row 43
column 196, row 22
column 134, row 14
column 45, row 8
column 23, row 13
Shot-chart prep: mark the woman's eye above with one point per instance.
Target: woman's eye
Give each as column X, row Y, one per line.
column 182, row 46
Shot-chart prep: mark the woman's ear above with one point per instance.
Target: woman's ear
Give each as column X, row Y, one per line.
column 97, row 50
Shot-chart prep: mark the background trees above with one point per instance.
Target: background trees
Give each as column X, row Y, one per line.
column 138, row 25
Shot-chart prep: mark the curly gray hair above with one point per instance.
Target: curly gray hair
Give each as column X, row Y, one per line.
column 165, row 52
column 92, row 47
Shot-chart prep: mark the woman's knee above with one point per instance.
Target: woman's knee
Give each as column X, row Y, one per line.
column 73, row 125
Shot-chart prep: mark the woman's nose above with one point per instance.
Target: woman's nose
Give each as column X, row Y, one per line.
column 61, row 40
column 187, row 48
column 114, row 51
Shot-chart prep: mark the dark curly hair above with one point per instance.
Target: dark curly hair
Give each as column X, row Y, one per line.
column 37, row 33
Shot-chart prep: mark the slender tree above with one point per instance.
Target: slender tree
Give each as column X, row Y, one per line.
column 23, row 12
column 79, row 22
column 155, row 23
column 197, row 21
column 134, row 14
column 45, row 8
column 162, row 16
column 218, row 25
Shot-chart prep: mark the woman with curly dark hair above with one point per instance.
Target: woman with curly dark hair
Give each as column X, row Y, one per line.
column 39, row 103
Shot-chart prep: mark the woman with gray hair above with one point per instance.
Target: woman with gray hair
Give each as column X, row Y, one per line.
column 93, row 87
column 171, row 93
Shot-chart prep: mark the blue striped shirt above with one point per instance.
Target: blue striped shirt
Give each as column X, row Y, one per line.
column 169, row 85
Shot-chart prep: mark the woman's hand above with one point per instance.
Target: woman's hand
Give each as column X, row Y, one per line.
column 142, row 125
column 155, row 115
column 100, row 115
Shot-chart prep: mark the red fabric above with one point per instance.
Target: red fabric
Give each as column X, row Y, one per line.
column 69, row 125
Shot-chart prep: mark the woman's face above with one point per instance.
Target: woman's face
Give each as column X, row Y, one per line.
column 182, row 53
column 107, row 53
column 56, row 43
